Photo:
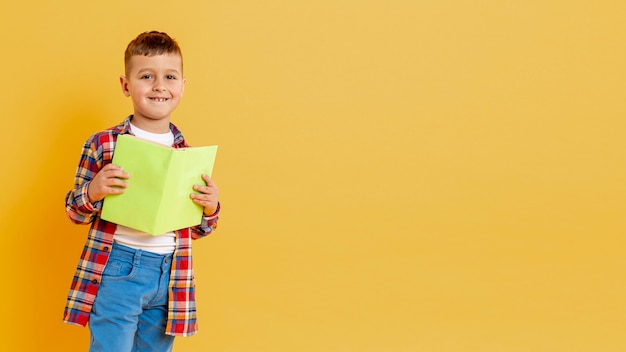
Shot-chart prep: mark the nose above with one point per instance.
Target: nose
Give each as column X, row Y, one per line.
column 158, row 85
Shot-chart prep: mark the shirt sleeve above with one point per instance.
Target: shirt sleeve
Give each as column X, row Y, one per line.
column 77, row 205
column 207, row 226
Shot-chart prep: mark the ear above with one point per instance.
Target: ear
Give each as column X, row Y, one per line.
column 124, row 84
column 182, row 92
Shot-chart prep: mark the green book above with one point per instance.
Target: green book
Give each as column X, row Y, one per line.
column 157, row 199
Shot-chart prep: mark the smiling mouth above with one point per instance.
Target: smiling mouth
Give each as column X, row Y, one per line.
column 159, row 99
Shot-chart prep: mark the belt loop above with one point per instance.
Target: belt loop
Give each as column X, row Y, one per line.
column 137, row 259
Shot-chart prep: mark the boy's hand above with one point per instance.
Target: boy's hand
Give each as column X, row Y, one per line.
column 105, row 180
column 207, row 197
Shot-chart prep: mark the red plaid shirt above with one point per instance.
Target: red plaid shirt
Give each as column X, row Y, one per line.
column 98, row 152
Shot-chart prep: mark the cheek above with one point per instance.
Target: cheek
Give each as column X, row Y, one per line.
column 138, row 90
column 177, row 91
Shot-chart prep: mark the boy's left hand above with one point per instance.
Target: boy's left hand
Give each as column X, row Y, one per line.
column 207, row 197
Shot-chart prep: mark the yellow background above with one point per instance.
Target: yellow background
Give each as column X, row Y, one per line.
column 395, row 175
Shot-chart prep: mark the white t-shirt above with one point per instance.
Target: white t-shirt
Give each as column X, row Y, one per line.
column 162, row 244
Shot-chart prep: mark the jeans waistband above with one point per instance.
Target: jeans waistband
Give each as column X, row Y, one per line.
column 140, row 256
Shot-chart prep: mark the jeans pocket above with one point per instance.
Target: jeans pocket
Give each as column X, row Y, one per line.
column 119, row 270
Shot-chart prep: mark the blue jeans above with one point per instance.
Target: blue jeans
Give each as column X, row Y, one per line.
column 130, row 310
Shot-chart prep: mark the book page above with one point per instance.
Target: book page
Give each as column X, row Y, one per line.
column 161, row 178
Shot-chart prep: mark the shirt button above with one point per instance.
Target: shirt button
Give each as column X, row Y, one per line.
column 94, row 281
column 106, row 249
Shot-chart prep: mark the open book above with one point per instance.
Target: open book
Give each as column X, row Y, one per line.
column 161, row 179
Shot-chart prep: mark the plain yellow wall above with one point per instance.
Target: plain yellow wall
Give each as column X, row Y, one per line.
column 395, row 175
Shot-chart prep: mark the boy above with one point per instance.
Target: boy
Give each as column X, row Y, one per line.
column 136, row 290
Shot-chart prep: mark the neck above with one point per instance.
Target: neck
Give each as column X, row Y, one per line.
column 153, row 126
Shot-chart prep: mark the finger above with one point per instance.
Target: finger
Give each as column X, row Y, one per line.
column 197, row 198
column 116, row 182
column 110, row 167
column 115, row 190
column 205, row 189
column 112, row 170
column 208, row 180
column 209, row 208
column 203, row 199
column 120, row 173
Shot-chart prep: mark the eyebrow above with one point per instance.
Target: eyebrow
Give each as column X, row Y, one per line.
column 150, row 69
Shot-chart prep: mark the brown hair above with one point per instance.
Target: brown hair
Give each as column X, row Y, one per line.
column 150, row 44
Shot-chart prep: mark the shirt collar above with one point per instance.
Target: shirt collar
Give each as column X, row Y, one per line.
column 179, row 140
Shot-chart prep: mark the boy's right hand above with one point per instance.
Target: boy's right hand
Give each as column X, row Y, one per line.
column 109, row 180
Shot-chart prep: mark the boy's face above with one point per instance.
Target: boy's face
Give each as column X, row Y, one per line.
column 155, row 84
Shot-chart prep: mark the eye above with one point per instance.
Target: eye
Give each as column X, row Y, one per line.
column 171, row 77
column 146, row 76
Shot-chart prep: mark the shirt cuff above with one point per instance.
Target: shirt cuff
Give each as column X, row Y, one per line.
column 83, row 200
column 215, row 213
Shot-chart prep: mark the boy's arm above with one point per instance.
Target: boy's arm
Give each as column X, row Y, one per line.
column 207, row 226
column 208, row 199
column 95, row 178
column 77, row 205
